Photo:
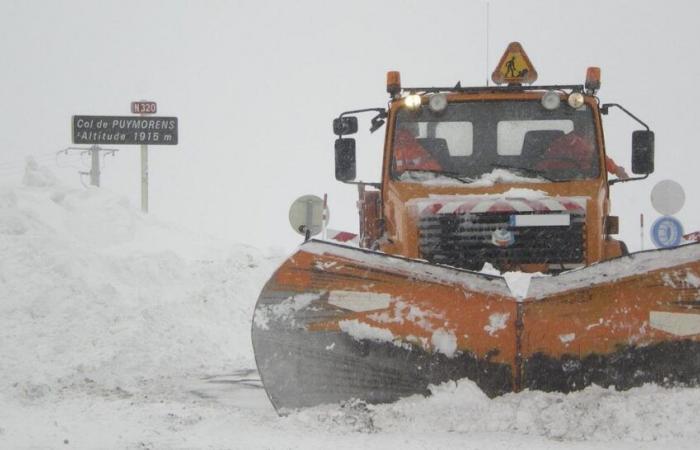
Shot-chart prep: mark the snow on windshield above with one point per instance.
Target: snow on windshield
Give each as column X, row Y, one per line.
column 496, row 176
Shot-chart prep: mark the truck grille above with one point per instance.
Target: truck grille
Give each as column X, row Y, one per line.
column 465, row 240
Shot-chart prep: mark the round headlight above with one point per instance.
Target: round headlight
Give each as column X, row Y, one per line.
column 412, row 101
column 551, row 100
column 437, row 103
column 575, row 100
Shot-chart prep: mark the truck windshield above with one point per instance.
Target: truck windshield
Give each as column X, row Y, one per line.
column 495, row 142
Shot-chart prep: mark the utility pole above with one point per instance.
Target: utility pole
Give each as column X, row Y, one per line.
column 94, row 152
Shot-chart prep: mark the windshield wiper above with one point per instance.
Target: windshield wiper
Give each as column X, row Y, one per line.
column 523, row 171
column 453, row 175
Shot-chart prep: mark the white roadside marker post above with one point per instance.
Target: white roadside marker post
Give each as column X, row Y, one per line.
column 144, row 178
column 95, row 165
column 143, row 108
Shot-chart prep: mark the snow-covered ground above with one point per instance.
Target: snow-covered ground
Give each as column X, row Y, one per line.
column 120, row 331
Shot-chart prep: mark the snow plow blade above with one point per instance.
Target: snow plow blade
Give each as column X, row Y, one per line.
column 336, row 323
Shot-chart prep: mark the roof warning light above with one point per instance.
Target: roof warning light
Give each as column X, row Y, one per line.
column 592, row 79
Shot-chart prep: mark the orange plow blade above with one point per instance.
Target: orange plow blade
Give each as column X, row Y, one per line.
column 336, row 323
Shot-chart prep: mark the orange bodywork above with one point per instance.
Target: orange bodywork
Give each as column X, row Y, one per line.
column 566, row 317
column 604, row 316
column 400, row 224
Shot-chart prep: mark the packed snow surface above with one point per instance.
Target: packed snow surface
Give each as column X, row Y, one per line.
column 120, row 331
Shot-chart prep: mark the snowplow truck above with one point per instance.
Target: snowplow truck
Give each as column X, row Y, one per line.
column 486, row 252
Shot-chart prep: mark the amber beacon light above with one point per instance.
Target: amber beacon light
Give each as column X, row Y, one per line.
column 393, row 82
column 592, row 79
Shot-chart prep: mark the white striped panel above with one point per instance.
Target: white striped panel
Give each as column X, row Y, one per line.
column 581, row 201
column 520, row 205
column 483, row 206
column 552, row 204
column 450, row 207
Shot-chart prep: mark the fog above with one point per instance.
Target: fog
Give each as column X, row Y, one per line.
column 256, row 84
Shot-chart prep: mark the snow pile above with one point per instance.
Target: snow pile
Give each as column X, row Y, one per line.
column 643, row 414
column 92, row 291
column 36, row 175
column 648, row 413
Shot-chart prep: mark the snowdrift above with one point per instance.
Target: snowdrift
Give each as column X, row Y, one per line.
column 92, row 289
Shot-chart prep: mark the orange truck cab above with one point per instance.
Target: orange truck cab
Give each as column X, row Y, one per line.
column 513, row 175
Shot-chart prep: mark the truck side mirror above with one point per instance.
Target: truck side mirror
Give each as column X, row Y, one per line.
column 345, row 125
column 642, row 152
column 344, row 159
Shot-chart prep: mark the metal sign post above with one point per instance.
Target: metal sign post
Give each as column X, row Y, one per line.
column 142, row 108
column 95, row 165
column 144, row 178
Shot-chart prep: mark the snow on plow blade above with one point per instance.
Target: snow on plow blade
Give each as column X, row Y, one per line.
column 336, row 322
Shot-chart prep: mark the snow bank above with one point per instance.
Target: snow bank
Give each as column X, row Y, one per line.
column 595, row 415
column 91, row 289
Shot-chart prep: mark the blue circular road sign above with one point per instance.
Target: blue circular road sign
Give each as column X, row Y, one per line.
column 666, row 231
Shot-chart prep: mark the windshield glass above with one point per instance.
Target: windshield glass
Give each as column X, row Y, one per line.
column 495, row 141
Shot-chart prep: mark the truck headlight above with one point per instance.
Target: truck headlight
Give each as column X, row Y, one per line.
column 437, row 103
column 575, row 100
column 412, row 101
column 550, row 100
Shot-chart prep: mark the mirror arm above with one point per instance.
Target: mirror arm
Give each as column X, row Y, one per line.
column 623, row 180
column 377, row 121
column 604, row 110
column 381, row 111
column 364, row 183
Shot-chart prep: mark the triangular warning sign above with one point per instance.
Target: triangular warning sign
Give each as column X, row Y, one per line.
column 514, row 67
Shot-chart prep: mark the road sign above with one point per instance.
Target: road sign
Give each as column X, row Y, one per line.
column 667, row 197
column 666, row 232
column 125, row 130
column 144, row 107
column 514, row 67
column 307, row 215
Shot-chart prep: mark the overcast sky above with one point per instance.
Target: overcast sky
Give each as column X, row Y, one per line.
column 256, row 85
